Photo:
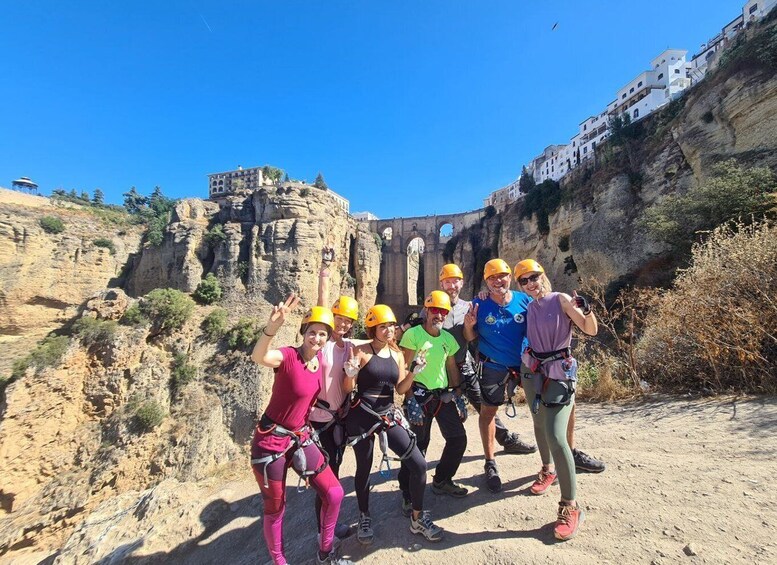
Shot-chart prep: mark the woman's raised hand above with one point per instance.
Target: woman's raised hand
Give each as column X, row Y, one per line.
column 282, row 309
column 351, row 367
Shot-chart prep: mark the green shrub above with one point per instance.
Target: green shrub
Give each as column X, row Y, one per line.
column 168, row 308
column 305, row 192
column 209, row 290
column 543, row 200
column 92, row 331
column 105, row 243
column 134, row 316
column 244, row 334
column 149, row 415
column 183, row 372
column 215, row 324
column 51, row 224
column 215, row 236
column 732, row 192
column 48, row 353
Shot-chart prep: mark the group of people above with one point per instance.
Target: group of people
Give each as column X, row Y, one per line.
column 332, row 392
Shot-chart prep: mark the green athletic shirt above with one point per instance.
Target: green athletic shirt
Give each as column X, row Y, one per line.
column 434, row 375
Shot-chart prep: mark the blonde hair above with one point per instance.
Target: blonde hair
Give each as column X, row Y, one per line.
column 544, row 282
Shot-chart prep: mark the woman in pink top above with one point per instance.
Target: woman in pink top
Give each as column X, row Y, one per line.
column 283, row 437
column 331, row 407
column 548, row 377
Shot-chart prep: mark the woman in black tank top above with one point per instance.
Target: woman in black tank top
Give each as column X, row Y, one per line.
column 376, row 370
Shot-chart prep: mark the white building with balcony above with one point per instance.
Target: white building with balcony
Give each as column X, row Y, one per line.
column 754, row 10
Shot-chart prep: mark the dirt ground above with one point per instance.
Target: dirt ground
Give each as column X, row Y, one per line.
column 683, row 476
column 680, row 472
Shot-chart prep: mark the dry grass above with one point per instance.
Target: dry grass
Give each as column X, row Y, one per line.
column 716, row 328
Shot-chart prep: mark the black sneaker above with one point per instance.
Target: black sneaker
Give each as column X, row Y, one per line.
column 332, row 559
column 514, row 444
column 493, row 482
column 586, row 463
column 407, row 508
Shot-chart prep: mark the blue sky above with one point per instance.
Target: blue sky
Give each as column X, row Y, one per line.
column 408, row 107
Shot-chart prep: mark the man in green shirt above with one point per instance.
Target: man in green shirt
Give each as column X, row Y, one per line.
column 436, row 391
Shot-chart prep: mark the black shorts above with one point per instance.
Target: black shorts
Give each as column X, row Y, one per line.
column 493, row 384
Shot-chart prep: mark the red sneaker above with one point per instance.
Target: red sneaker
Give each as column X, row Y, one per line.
column 569, row 519
column 543, row 482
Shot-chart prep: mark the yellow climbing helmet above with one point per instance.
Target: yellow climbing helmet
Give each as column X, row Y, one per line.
column 379, row 314
column 451, row 271
column 495, row 267
column 318, row 315
column 438, row 299
column 347, row 307
column 527, row 266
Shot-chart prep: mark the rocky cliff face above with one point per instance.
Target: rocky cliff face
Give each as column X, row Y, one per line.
column 69, row 435
column 44, row 276
column 596, row 232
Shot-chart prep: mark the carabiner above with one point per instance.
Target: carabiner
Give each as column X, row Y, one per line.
column 511, row 408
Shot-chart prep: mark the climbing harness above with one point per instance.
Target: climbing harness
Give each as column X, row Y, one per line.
column 512, row 379
column 388, row 419
column 539, row 360
column 299, row 460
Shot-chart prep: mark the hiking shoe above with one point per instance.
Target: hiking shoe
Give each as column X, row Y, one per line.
column 332, row 559
column 586, row 463
column 450, row 488
column 407, row 508
column 569, row 520
column 544, row 480
column 514, row 444
column 493, row 482
column 426, row 527
column 365, row 535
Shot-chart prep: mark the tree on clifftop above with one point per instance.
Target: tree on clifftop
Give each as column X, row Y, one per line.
column 526, row 182
column 99, row 197
column 134, row 201
column 320, row 182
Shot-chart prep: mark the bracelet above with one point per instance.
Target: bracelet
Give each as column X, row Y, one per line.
column 264, row 331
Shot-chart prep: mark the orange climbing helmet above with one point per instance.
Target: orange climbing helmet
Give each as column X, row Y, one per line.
column 438, row 299
column 379, row 314
column 451, row 270
column 346, row 307
column 318, row 315
column 495, row 267
column 527, row 266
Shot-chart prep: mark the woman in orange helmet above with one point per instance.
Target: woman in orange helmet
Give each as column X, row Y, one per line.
column 548, row 377
column 375, row 370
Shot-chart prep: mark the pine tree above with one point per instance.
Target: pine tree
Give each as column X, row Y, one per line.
column 99, row 197
column 320, row 182
column 134, row 201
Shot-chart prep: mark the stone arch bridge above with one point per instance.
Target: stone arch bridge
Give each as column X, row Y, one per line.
column 402, row 276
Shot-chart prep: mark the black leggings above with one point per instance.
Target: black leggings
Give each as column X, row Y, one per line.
column 359, row 421
column 333, row 444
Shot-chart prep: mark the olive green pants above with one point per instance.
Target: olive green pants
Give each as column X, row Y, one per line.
column 550, row 429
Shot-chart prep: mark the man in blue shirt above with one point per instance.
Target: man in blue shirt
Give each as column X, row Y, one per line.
column 499, row 325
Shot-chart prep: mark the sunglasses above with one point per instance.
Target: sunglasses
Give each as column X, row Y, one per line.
column 437, row 311
column 523, row 281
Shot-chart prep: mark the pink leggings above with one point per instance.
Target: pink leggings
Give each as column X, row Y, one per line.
column 325, row 484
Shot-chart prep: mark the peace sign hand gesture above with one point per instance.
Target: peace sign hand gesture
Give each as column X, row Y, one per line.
column 471, row 317
column 351, row 367
column 281, row 310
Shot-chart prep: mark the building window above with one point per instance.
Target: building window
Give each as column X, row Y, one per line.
column 624, row 96
column 636, row 113
column 660, row 76
column 677, row 71
column 585, row 149
column 640, row 84
column 631, row 90
column 753, row 8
